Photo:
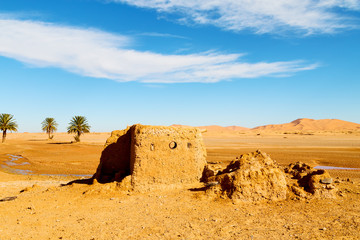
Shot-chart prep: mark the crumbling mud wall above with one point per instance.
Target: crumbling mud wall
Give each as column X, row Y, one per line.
column 115, row 158
column 154, row 156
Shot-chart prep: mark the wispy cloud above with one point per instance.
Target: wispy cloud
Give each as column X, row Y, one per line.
column 94, row 53
column 260, row 16
column 162, row 35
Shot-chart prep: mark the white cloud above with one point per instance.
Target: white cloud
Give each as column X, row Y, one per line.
column 349, row 4
column 162, row 35
column 261, row 16
column 94, row 53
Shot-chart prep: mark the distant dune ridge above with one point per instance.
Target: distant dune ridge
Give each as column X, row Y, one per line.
column 306, row 124
column 301, row 124
column 217, row 128
column 220, row 128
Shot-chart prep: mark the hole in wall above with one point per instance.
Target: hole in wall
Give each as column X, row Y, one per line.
column 189, row 145
column 152, row 147
column 172, row 145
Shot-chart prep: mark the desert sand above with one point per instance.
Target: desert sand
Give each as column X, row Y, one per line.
column 45, row 206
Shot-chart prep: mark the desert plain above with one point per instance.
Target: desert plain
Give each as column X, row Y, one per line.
column 36, row 201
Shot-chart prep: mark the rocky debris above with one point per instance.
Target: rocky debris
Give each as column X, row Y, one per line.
column 326, row 180
column 312, row 181
column 210, row 184
column 210, row 171
column 8, row 199
column 298, row 191
column 251, row 177
column 298, row 170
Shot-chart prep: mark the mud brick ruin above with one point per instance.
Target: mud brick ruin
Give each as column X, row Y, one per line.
column 154, row 156
column 143, row 158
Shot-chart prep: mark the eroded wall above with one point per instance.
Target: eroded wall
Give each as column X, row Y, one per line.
column 166, row 156
column 115, row 158
column 154, row 156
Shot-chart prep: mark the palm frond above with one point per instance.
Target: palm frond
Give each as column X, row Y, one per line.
column 7, row 122
column 49, row 125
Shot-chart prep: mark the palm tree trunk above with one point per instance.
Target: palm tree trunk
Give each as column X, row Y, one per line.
column 49, row 134
column 4, row 136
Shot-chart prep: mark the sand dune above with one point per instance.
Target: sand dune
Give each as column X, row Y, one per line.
column 220, row 128
column 306, row 124
column 301, row 124
column 217, row 127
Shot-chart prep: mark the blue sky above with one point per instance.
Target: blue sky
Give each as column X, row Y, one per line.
column 161, row 62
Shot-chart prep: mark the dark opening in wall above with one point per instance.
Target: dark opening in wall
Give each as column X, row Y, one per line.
column 152, row 147
column 172, row 145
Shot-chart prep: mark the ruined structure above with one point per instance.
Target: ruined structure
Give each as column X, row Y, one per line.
column 251, row 177
column 256, row 177
column 154, row 157
column 143, row 158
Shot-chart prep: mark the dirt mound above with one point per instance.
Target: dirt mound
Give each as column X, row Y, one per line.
column 305, row 124
column 256, row 177
column 251, row 177
column 303, row 179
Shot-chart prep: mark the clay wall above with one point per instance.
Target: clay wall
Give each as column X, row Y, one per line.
column 166, row 156
column 115, row 158
column 155, row 156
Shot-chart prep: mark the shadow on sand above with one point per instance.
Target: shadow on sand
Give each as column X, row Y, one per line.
column 87, row 181
column 58, row 143
column 202, row 189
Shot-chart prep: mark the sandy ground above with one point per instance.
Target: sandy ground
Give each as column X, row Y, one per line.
column 46, row 208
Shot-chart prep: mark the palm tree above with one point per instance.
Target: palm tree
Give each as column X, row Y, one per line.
column 7, row 122
column 49, row 125
column 78, row 125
